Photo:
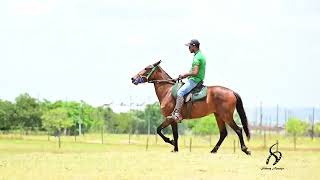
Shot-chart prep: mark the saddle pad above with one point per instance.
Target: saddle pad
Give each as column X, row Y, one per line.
column 196, row 95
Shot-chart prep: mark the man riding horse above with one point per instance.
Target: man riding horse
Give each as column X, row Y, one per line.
column 217, row 100
column 195, row 76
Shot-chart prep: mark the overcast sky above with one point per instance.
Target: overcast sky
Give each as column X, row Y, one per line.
column 88, row 50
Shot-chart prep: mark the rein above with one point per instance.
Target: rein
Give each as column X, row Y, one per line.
column 170, row 81
column 154, row 68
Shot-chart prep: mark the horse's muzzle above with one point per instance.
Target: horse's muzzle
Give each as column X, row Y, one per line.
column 134, row 81
column 137, row 80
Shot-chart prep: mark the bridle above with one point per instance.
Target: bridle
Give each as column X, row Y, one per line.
column 141, row 77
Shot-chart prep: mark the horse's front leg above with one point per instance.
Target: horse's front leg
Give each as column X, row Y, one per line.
column 174, row 126
column 163, row 125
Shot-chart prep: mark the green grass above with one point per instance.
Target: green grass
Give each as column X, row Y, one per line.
column 34, row 157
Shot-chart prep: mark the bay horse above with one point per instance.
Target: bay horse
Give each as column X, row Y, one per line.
column 220, row 101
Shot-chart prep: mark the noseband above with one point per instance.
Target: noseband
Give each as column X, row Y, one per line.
column 141, row 78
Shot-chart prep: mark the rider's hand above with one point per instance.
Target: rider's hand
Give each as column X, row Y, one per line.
column 181, row 76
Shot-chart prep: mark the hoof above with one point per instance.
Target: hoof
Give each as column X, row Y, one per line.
column 213, row 152
column 174, row 151
column 215, row 149
column 248, row 153
column 245, row 150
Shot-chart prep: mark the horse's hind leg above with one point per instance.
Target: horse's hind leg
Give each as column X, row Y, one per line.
column 223, row 133
column 163, row 125
column 238, row 130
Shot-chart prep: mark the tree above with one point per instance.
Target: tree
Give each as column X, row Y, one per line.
column 295, row 126
column 317, row 128
column 79, row 112
column 98, row 121
column 6, row 115
column 123, row 122
column 204, row 126
column 28, row 113
column 152, row 115
column 57, row 119
column 86, row 111
column 74, row 110
column 139, row 122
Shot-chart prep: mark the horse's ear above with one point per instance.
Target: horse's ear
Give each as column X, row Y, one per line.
column 157, row 63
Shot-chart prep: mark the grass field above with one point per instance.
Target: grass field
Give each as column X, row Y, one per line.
column 34, row 157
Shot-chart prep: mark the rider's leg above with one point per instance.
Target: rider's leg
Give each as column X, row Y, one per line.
column 186, row 88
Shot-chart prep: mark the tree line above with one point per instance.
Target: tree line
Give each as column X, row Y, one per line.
column 27, row 114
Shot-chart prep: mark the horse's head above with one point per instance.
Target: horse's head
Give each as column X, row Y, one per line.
column 146, row 74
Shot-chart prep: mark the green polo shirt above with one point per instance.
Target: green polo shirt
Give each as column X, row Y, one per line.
column 199, row 60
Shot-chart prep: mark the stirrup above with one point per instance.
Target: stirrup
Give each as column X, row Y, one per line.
column 175, row 118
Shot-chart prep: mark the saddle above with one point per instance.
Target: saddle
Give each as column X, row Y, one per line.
column 196, row 94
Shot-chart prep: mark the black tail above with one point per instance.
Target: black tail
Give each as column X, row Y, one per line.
column 242, row 115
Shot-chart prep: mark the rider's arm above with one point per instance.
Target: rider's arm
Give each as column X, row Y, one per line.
column 194, row 73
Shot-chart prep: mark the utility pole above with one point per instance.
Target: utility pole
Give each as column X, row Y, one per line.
column 277, row 129
column 149, row 124
column 99, row 117
column 312, row 127
column 80, row 118
column 260, row 116
column 285, row 116
column 130, row 128
column 149, row 119
column 285, row 120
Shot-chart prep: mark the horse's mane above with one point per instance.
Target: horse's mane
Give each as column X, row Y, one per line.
column 169, row 77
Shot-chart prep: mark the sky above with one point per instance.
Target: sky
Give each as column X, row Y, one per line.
column 267, row 51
